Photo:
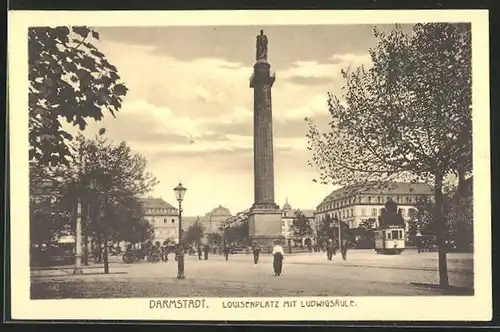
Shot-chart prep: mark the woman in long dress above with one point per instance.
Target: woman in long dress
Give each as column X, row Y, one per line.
column 278, row 255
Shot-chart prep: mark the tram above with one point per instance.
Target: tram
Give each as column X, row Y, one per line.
column 390, row 240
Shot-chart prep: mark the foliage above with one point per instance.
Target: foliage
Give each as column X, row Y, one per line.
column 461, row 222
column 407, row 117
column 301, row 225
column 325, row 231
column 194, row 233
column 459, row 215
column 370, row 223
column 48, row 219
column 110, row 180
column 421, row 218
column 214, row 238
column 236, row 233
column 70, row 79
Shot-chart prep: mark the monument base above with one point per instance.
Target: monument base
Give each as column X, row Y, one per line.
column 265, row 227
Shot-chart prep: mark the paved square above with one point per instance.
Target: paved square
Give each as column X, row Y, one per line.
column 363, row 274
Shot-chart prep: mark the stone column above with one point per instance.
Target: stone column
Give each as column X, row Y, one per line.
column 265, row 216
column 262, row 82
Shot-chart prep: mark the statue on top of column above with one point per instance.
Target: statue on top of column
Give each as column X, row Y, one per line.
column 261, row 46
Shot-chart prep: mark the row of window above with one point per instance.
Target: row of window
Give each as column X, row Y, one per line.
column 367, row 199
column 165, row 233
column 364, row 213
column 160, row 210
column 165, row 220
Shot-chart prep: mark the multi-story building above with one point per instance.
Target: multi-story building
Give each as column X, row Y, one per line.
column 164, row 218
column 354, row 204
column 287, row 216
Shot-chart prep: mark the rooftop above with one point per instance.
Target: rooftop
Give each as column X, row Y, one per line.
column 394, row 188
column 287, row 205
column 219, row 211
column 156, row 203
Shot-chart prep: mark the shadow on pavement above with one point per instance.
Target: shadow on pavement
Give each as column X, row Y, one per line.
column 450, row 290
column 51, row 276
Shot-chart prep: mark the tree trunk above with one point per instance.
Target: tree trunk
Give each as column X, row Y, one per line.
column 461, row 182
column 86, row 250
column 441, row 231
column 105, row 254
column 98, row 250
column 105, row 234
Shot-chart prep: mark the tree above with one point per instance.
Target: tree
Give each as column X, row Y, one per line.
column 70, row 79
column 111, row 179
column 48, row 219
column 407, row 117
column 325, row 229
column 214, row 238
column 421, row 218
column 195, row 233
column 368, row 224
column 301, row 225
column 461, row 222
column 236, row 232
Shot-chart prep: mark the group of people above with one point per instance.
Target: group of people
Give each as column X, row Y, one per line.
column 203, row 251
column 332, row 247
column 277, row 252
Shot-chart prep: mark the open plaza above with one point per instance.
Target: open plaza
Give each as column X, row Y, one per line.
column 364, row 273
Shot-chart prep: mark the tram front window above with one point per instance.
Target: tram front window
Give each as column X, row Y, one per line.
column 395, row 235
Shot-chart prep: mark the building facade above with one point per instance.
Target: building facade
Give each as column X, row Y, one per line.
column 355, row 204
column 164, row 218
column 287, row 216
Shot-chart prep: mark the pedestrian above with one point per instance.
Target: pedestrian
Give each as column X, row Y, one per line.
column 164, row 252
column 227, row 250
column 256, row 252
column 278, row 257
column 200, row 252
column 206, row 251
column 343, row 248
column 329, row 249
column 419, row 244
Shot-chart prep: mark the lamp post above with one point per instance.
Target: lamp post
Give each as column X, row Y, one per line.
column 180, row 191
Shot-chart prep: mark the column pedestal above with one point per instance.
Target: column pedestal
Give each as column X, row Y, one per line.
column 265, row 227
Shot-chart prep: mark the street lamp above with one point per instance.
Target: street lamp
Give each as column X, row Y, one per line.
column 180, row 191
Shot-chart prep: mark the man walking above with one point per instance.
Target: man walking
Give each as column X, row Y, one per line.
column 200, row 252
column 227, row 250
column 256, row 252
column 343, row 249
column 329, row 249
column 206, row 251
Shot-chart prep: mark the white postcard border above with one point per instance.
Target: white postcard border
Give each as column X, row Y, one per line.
column 473, row 308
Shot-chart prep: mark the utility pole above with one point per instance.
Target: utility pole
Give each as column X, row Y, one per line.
column 105, row 235
column 78, row 239
column 78, row 227
column 340, row 232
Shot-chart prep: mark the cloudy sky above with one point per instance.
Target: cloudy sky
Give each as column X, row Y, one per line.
column 193, row 82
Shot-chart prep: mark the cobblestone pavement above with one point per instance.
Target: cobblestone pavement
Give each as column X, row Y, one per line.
column 363, row 274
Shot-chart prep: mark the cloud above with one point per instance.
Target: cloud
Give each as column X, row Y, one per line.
column 324, row 70
column 193, row 84
column 302, row 80
column 236, row 44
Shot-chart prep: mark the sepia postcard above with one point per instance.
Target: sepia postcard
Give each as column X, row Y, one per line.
column 250, row 165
